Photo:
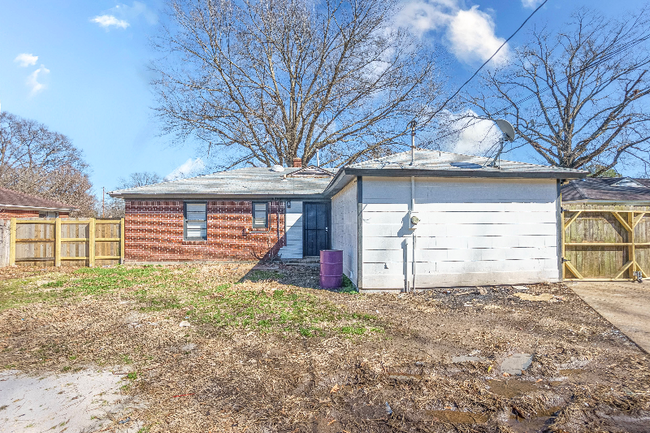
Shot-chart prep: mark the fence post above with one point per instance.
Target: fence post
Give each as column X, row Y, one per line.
column 12, row 242
column 91, row 242
column 563, row 241
column 122, row 241
column 57, row 242
column 632, row 240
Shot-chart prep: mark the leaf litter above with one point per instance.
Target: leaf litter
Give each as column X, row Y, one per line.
column 268, row 351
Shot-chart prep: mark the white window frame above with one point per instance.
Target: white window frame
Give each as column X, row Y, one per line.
column 186, row 220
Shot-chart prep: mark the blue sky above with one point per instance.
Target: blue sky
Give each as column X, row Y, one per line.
column 83, row 70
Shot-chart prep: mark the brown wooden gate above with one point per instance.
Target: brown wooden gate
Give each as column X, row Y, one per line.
column 66, row 241
column 605, row 243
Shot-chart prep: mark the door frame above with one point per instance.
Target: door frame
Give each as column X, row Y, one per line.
column 304, row 225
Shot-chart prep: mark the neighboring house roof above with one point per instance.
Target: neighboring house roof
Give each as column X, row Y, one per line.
column 436, row 163
column 607, row 189
column 249, row 182
column 17, row 200
column 318, row 182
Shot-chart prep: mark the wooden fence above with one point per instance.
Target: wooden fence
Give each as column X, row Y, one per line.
column 605, row 243
column 66, row 241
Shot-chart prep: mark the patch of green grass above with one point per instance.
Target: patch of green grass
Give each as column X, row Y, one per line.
column 23, row 291
column 348, row 286
column 83, row 281
column 187, row 293
column 103, row 280
column 274, row 311
column 352, row 330
column 263, row 275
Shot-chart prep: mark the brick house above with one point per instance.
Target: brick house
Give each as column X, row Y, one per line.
column 427, row 219
column 19, row 205
column 245, row 214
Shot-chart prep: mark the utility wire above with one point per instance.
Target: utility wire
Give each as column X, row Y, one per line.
column 442, row 107
column 618, row 50
column 600, row 61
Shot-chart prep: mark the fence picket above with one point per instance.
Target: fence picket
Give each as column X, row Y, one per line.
column 66, row 241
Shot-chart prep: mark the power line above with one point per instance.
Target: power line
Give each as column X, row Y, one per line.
column 612, row 54
column 442, row 107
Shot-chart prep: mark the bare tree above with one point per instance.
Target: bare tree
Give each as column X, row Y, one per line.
column 578, row 97
column 137, row 179
column 37, row 161
column 114, row 207
column 277, row 79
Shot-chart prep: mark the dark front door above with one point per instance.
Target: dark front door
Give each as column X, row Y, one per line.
column 316, row 236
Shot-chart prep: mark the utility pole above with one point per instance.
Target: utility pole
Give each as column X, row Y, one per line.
column 103, row 196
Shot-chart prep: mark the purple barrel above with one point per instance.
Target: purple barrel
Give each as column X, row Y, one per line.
column 331, row 269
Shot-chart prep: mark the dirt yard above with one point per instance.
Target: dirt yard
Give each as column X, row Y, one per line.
column 223, row 348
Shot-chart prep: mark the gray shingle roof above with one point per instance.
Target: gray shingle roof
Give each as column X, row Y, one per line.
column 264, row 182
column 604, row 189
column 252, row 181
column 436, row 163
column 458, row 163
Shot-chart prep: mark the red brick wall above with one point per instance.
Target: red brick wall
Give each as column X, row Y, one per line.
column 154, row 232
column 6, row 214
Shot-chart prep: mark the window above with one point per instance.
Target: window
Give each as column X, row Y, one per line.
column 196, row 227
column 48, row 215
column 260, row 215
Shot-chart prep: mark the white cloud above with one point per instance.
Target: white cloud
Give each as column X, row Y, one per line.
column 191, row 167
column 472, row 37
column 530, row 4
column 469, row 33
column 25, row 60
column 470, row 135
column 122, row 15
column 422, row 16
column 33, row 80
column 134, row 11
column 108, row 21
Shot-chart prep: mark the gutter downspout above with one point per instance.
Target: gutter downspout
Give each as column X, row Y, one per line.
column 413, row 234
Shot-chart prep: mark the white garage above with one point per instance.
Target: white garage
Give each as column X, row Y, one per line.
column 437, row 219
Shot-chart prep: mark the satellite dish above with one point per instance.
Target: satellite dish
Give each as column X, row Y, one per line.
column 506, row 128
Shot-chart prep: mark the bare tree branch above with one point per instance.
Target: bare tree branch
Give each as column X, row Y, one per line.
column 280, row 79
column 590, row 91
column 37, row 161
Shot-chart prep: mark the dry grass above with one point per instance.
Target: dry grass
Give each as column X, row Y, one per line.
column 267, row 352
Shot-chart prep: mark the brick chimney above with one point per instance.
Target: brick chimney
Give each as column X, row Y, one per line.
column 297, row 162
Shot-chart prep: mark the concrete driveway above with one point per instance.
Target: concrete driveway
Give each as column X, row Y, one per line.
column 625, row 304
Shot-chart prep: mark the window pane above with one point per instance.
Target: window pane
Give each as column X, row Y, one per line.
column 196, row 216
column 259, row 214
column 196, row 207
column 195, row 221
column 196, row 230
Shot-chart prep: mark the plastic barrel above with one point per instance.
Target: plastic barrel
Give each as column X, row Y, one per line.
column 331, row 269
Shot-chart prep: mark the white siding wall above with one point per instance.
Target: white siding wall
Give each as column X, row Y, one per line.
column 293, row 249
column 344, row 228
column 471, row 232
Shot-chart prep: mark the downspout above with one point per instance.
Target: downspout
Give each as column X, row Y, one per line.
column 413, row 241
